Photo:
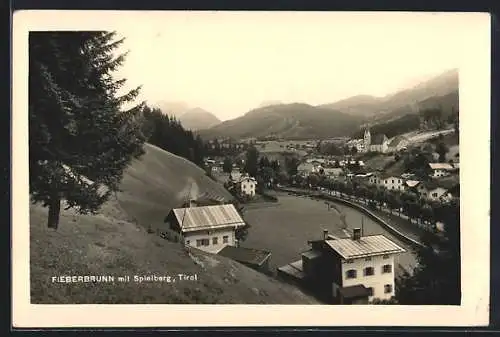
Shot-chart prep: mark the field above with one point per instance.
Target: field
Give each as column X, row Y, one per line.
column 285, row 228
column 115, row 242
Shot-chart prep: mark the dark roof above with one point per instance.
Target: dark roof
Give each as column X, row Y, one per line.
column 245, row 255
column 378, row 139
column 354, row 291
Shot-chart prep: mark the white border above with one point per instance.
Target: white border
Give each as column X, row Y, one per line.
column 475, row 173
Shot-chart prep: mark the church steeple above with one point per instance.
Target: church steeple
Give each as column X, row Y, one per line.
column 367, row 140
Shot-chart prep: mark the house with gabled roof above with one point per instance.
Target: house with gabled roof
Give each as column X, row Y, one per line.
column 432, row 190
column 209, row 228
column 441, row 169
column 350, row 270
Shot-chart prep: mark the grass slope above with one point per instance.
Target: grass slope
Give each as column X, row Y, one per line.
column 115, row 242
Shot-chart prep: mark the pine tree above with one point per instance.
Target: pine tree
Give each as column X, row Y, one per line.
column 81, row 137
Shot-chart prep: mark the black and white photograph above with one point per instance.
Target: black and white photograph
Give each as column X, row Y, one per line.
column 256, row 158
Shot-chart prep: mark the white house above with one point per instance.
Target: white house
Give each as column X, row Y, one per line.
column 209, row 228
column 432, row 191
column 393, row 183
column 247, row 185
column 440, row 169
column 365, row 261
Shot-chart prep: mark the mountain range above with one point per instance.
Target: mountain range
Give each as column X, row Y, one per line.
column 341, row 118
column 190, row 118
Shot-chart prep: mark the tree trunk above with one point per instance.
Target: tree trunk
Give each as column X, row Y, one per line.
column 54, row 212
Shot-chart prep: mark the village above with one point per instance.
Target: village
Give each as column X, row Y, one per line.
column 343, row 263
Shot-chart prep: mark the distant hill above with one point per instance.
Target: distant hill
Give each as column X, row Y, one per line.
column 288, row 121
column 402, row 102
column 116, row 242
column 269, row 103
column 175, row 109
column 345, row 117
column 198, row 118
column 361, row 105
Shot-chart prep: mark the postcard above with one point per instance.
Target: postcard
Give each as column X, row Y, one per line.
column 204, row 168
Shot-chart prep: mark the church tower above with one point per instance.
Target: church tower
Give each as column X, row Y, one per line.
column 367, row 140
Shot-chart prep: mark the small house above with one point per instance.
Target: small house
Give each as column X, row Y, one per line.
column 393, row 183
column 247, row 185
column 440, row 169
column 209, row 228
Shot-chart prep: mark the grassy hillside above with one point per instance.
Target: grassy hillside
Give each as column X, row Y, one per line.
column 115, row 242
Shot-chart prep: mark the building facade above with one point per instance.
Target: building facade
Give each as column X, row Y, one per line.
column 209, row 228
column 247, row 186
column 393, row 183
column 440, row 169
column 366, row 261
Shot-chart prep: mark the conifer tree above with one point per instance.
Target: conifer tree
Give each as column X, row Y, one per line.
column 81, row 136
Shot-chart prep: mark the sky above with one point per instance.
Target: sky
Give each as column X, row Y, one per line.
column 230, row 62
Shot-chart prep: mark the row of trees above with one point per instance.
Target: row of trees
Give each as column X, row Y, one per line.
column 167, row 133
column 400, row 202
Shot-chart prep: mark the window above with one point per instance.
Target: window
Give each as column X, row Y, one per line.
column 225, row 239
column 370, row 291
column 386, row 268
column 393, row 181
column 350, row 274
column 348, row 261
column 205, row 242
column 388, row 288
column 385, row 181
column 214, row 240
column 434, row 195
column 368, row 258
column 385, row 257
column 369, row 271
column 188, row 242
column 198, row 243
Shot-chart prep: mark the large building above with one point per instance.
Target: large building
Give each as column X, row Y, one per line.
column 209, row 228
column 353, row 270
column 377, row 143
column 366, row 261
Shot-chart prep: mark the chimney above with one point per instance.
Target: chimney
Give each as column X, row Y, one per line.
column 325, row 234
column 356, row 234
column 192, row 203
